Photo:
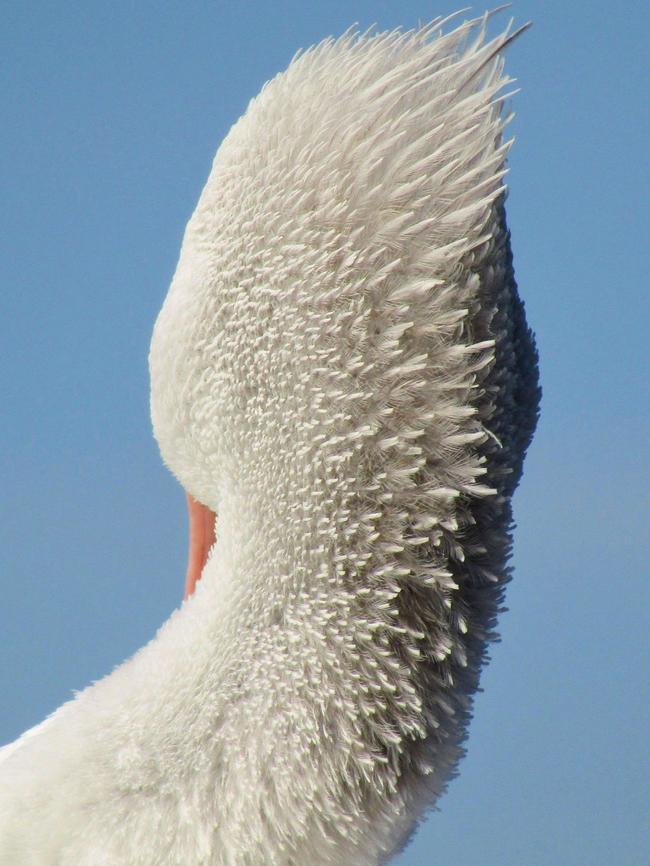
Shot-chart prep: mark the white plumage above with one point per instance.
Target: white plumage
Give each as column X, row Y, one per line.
column 343, row 371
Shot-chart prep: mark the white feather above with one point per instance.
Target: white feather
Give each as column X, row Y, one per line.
column 342, row 370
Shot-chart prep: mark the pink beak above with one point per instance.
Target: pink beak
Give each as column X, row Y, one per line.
column 202, row 537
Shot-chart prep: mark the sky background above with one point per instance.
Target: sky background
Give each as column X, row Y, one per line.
column 111, row 114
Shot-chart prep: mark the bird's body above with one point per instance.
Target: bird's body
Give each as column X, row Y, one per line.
column 343, row 372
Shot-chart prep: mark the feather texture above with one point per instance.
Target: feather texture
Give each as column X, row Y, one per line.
column 343, row 371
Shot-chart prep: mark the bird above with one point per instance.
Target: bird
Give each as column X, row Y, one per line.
column 344, row 382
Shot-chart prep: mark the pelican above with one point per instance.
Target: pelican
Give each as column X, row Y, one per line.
column 343, row 373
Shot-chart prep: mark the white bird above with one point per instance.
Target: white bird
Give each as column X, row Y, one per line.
column 342, row 371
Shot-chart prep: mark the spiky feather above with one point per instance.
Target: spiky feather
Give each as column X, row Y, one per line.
column 343, row 371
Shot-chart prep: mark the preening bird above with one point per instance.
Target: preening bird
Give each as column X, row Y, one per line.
column 343, row 373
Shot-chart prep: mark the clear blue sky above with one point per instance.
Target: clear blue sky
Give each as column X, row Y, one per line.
column 111, row 114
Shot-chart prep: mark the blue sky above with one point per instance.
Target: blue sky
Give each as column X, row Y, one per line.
column 111, row 117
